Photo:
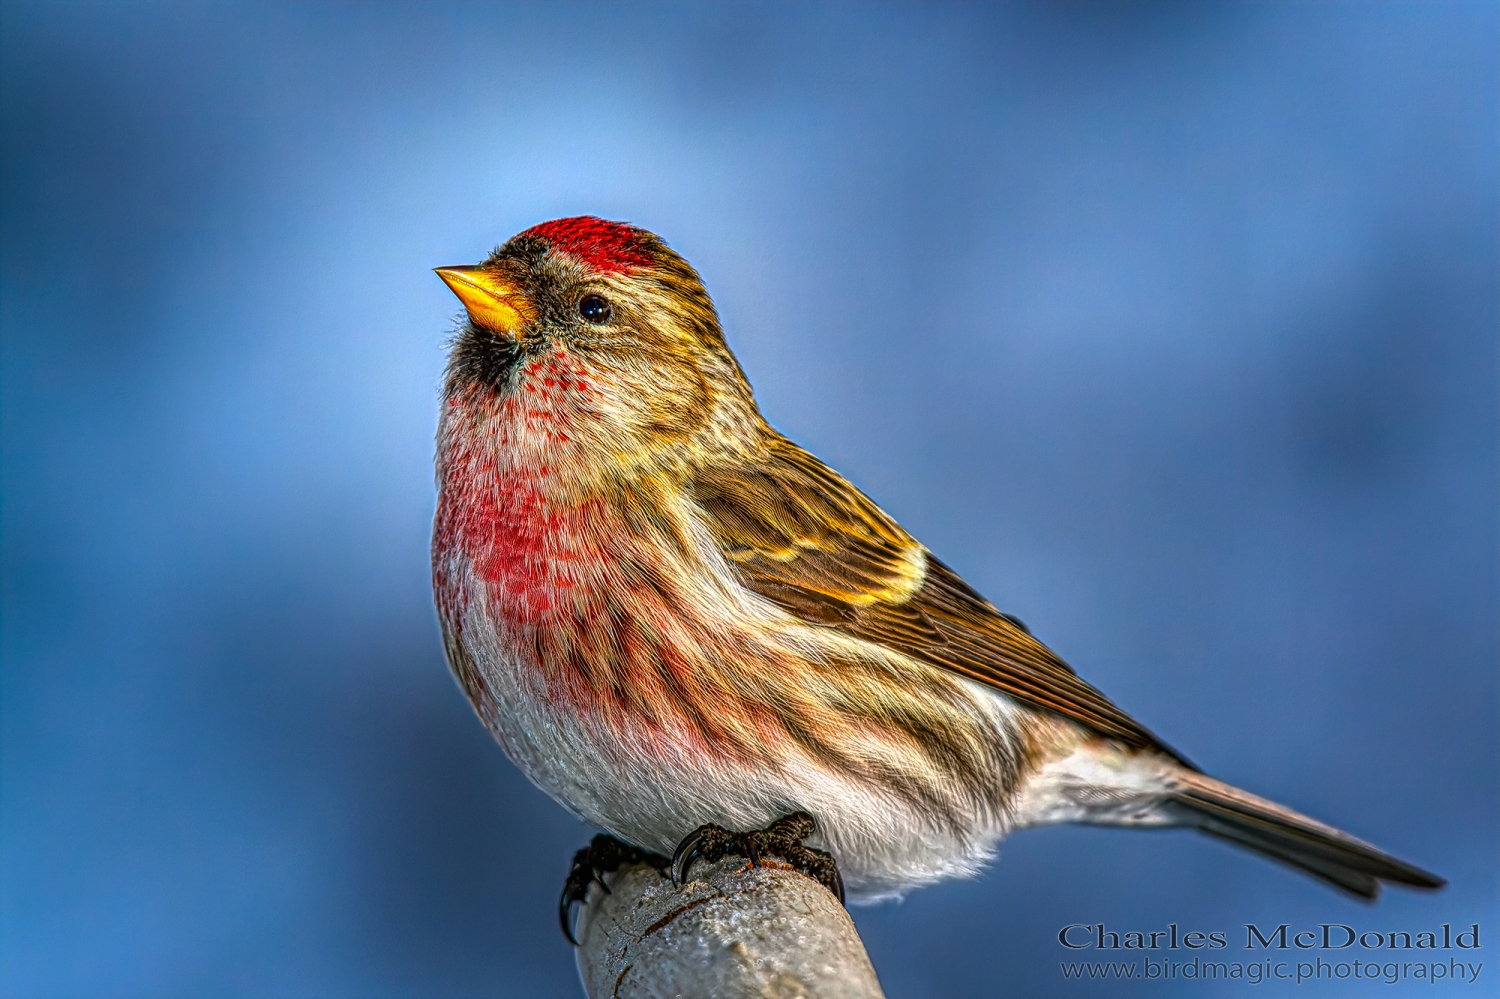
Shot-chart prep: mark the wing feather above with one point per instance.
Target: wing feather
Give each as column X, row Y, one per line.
column 804, row 538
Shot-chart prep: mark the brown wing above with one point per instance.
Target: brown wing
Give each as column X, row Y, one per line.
column 806, row 539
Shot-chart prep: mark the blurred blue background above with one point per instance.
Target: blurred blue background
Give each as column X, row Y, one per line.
column 1172, row 326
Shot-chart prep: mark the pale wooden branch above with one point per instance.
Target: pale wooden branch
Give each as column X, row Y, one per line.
column 731, row 932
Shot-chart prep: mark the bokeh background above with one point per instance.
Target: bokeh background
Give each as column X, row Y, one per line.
column 1172, row 326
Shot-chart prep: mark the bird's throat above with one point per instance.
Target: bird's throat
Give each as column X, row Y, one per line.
column 524, row 509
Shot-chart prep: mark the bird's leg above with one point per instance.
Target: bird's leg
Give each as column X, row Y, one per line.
column 603, row 855
column 782, row 839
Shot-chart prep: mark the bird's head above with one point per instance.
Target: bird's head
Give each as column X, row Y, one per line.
column 603, row 331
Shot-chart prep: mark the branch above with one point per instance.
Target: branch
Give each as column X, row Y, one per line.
column 731, row 932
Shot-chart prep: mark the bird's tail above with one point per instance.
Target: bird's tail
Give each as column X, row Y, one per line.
column 1294, row 839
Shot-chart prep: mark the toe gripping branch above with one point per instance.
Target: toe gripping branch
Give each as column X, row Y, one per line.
column 782, row 838
column 603, row 855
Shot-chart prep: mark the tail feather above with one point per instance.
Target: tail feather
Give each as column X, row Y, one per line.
column 1322, row 851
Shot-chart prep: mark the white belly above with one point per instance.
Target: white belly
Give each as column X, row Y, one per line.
column 650, row 794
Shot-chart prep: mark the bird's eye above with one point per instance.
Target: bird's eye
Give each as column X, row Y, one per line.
column 594, row 308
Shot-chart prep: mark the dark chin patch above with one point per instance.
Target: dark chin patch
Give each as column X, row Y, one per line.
column 486, row 358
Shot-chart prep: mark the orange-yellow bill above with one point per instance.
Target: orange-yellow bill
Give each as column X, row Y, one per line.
column 490, row 301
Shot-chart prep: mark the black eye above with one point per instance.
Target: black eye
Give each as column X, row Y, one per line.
column 594, row 308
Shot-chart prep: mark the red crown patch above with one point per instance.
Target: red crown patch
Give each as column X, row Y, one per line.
column 605, row 246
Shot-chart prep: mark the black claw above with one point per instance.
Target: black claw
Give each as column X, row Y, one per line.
column 575, row 889
column 782, row 838
column 603, row 855
column 683, row 856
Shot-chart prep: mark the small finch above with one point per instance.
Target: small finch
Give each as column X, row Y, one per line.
column 684, row 628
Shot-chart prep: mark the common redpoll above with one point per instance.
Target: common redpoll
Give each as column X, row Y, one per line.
column 670, row 615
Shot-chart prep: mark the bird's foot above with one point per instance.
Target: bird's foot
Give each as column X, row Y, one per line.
column 781, row 839
column 603, row 855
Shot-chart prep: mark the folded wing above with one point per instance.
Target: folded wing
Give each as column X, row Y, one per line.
column 806, row 539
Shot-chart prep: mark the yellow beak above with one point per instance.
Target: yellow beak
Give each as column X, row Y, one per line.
column 491, row 301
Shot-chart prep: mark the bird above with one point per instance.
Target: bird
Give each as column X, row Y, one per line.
column 697, row 637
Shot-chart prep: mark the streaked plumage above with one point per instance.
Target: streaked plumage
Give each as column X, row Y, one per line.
column 669, row 614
